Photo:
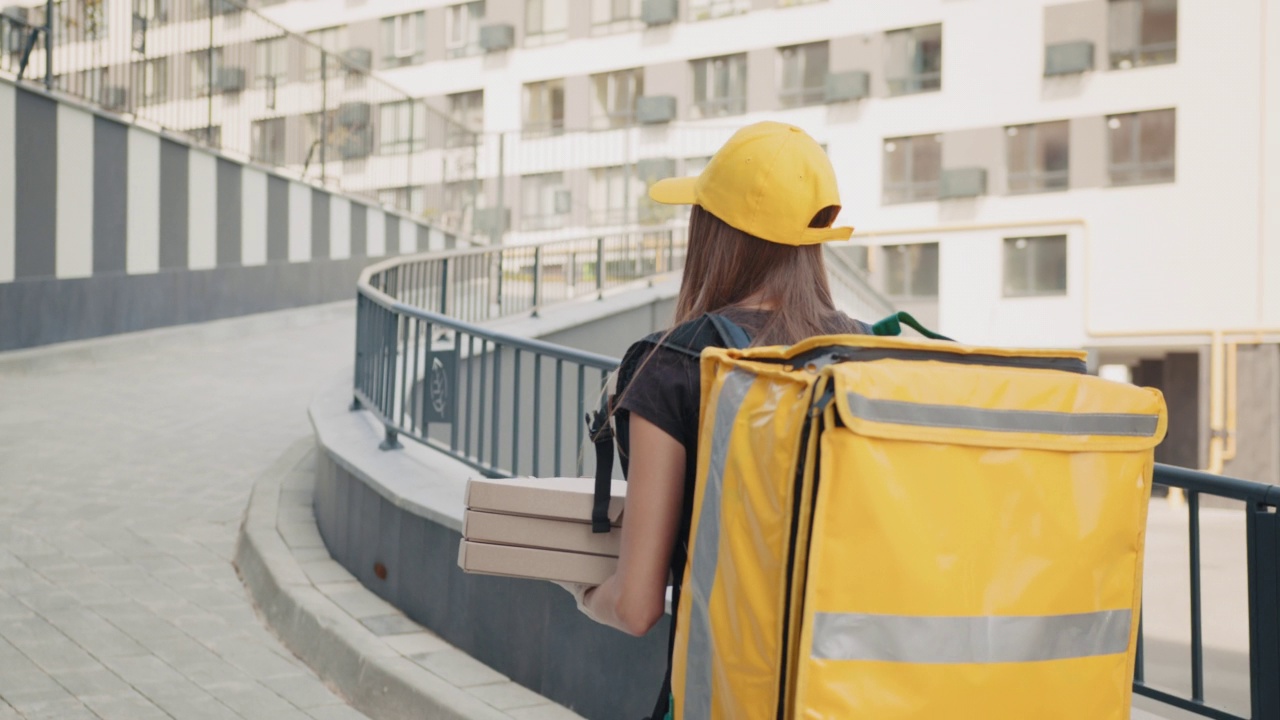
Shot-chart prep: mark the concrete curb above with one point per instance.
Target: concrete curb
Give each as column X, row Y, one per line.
column 293, row 582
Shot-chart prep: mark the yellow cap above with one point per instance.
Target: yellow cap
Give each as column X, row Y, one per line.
column 769, row 180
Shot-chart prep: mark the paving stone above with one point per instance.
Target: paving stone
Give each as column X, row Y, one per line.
column 127, row 706
column 360, row 603
column 418, row 643
column 326, row 571
column 387, row 625
column 304, row 691
column 507, row 696
column 335, row 712
column 124, row 480
column 459, row 669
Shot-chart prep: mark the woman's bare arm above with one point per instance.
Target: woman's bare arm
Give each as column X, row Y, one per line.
column 634, row 598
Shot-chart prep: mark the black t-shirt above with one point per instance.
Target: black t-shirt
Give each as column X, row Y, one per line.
column 667, row 391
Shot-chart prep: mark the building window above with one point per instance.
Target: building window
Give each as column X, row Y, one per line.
column 611, row 16
column 403, row 127
column 268, row 141
column 151, row 82
column 545, row 21
column 615, row 195
column 462, row 29
column 803, row 74
column 210, row 136
column 911, row 168
column 467, row 112
column 154, row 12
column 545, row 202
column 711, row 9
column 1038, row 156
column 544, row 108
column 1035, row 266
column 915, row 60
column 334, row 42
column 272, row 67
column 404, row 40
column 458, row 203
column 1143, row 32
column 1142, row 147
column 201, row 72
column 719, row 86
column 613, row 98
column 405, row 199
column 911, row 271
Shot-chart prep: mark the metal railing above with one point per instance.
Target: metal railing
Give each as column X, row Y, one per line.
column 1262, row 540
column 426, row 371
column 507, row 405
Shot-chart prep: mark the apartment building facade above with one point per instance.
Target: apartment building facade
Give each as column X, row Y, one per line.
column 1085, row 173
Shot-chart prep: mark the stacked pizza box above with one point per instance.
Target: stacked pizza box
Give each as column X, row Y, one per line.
column 539, row 528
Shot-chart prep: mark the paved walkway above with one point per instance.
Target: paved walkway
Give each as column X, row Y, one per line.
column 123, row 481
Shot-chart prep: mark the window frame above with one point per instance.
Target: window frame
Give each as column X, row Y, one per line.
column 909, row 289
column 547, row 184
column 406, row 27
column 615, row 23
column 543, row 35
column 803, row 95
column 700, row 10
column 1139, row 54
column 1030, row 259
column 917, row 79
column 716, row 106
column 1036, row 179
column 551, row 125
column 463, row 14
column 1140, row 172
column 602, row 186
column 278, row 141
column 409, row 122
column 152, row 71
column 612, row 117
column 264, row 61
column 915, row 190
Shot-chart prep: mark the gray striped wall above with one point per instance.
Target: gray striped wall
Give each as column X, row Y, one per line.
column 108, row 228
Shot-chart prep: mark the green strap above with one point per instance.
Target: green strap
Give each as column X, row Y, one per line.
column 892, row 326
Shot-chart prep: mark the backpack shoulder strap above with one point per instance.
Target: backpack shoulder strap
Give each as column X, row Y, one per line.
column 689, row 339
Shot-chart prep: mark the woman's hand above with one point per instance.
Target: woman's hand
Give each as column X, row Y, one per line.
column 634, row 598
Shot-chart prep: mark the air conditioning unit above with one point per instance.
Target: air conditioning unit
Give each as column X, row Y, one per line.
column 228, row 80
column 354, row 114
column 358, row 59
column 16, row 13
column 846, row 86
column 652, row 169
column 563, row 202
column 659, row 12
column 491, row 220
column 356, row 145
column 115, row 98
column 225, row 7
column 653, row 109
column 495, row 38
column 962, row 183
column 1068, row 58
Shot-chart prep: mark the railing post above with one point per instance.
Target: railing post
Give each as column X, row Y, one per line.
column 444, row 286
column 1262, row 529
column 600, row 266
column 537, row 279
column 391, row 441
column 48, row 45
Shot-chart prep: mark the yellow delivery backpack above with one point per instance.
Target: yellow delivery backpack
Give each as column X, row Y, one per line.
column 890, row 529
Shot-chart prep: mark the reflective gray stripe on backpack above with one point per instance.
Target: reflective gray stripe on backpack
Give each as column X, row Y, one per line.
column 706, row 548
column 1030, row 421
column 957, row 640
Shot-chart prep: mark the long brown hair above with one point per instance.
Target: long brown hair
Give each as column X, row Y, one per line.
column 725, row 267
